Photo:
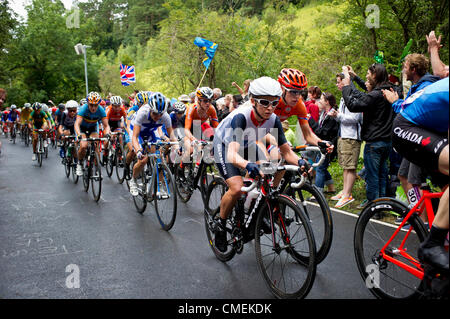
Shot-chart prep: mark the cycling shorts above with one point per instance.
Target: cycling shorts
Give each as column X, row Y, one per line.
column 252, row 153
column 417, row 144
column 114, row 125
column 88, row 130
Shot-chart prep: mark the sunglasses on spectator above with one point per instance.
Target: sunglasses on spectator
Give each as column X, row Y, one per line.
column 267, row 103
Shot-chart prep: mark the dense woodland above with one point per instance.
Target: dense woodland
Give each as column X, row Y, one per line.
column 255, row 38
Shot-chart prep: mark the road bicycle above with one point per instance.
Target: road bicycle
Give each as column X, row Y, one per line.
column 156, row 183
column 308, row 196
column 386, row 255
column 13, row 132
column 92, row 172
column 194, row 175
column 69, row 161
column 41, row 149
column 26, row 138
column 284, row 241
column 115, row 156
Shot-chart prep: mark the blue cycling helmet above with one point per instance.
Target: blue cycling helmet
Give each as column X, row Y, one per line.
column 158, row 103
column 142, row 98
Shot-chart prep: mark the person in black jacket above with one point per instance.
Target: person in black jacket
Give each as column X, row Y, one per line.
column 376, row 128
column 327, row 129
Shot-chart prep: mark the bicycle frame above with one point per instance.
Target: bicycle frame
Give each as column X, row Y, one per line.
column 415, row 269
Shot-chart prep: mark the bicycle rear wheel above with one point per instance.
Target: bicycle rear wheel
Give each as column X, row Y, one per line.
column 319, row 217
column 96, row 178
column 383, row 278
column 165, row 197
column 86, row 175
column 287, row 256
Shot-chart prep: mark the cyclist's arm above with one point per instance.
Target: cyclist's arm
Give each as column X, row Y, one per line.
column 188, row 123
column 77, row 125
column 106, row 128
column 233, row 156
column 135, row 138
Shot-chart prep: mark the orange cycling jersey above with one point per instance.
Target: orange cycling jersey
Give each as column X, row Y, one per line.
column 192, row 115
column 113, row 115
column 284, row 111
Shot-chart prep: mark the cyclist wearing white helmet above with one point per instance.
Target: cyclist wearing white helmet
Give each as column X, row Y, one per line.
column 67, row 123
column 39, row 120
column 240, row 131
column 147, row 125
column 13, row 117
column 25, row 115
column 178, row 118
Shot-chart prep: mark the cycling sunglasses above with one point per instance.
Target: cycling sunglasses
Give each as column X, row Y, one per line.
column 205, row 100
column 267, row 103
column 294, row 92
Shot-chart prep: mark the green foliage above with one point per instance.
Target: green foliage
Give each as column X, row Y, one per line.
column 255, row 38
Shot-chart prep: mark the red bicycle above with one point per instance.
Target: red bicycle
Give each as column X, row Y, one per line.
column 386, row 254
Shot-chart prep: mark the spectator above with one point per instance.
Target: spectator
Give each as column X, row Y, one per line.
column 243, row 92
column 2, row 96
column 327, row 130
column 237, row 101
column 217, row 94
column 348, row 146
column 415, row 70
column 289, row 133
column 434, row 44
column 192, row 97
column 376, row 128
column 314, row 94
column 312, row 120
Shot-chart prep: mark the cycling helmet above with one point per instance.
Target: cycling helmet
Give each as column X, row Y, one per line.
column 27, row 105
column 204, row 93
column 37, row 106
column 158, row 103
column 44, row 107
column 184, row 98
column 61, row 106
column 13, row 107
column 292, row 79
column 83, row 101
column 179, row 107
column 265, row 86
column 116, row 100
column 142, row 98
column 94, row 98
column 103, row 103
column 72, row 104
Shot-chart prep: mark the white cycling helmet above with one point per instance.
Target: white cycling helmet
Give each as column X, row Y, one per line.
column 265, row 86
column 71, row 104
column 44, row 107
column 116, row 100
column 179, row 107
column 13, row 107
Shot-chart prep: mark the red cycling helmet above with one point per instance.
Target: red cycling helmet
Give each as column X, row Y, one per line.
column 292, row 79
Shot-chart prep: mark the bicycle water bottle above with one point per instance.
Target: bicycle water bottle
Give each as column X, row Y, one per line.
column 251, row 197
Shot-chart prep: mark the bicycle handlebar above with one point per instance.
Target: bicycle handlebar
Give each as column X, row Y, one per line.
column 94, row 139
column 289, row 168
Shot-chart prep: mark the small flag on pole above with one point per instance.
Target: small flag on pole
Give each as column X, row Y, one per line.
column 127, row 74
column 209, row 48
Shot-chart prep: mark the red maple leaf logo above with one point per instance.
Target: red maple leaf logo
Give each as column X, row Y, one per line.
column 426, row 141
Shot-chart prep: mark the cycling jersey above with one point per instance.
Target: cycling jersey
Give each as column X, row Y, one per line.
column 192, row 115
column 67, row 122
column 5, row 116
column 25, row 115
column 38, row 118
column 90, row 120
column 131, row 114
column 428, row 107
column 114, row 115
column 177, row 122
column 13, row 115
column 241, row 126
column 147, row 124
column 284, row 111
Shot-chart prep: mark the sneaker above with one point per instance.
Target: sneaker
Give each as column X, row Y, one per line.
column 220, row 240
column 363, row 204
column 34, row 157
column 133, row 187
column 337, row 196
column 79, row 170
column 344, row 201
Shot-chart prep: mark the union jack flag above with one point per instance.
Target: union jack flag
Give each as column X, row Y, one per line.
column 127, row 74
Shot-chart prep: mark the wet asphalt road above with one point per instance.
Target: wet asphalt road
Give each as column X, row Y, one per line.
column 50, row 228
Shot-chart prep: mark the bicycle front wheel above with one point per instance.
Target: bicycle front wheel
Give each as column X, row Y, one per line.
column 286, row 250
column 182, row 173
column 120, row 162
column 165, row 197
column 319, row 217
column 383, row 278
column 96, row 178
column 140, row 201
column 39, row 152
column 110, row 161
